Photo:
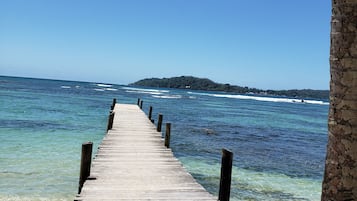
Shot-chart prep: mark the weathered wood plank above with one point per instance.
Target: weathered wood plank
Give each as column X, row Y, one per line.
column 132, row 163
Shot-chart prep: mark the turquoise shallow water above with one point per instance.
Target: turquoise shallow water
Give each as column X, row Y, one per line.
column 278, row 143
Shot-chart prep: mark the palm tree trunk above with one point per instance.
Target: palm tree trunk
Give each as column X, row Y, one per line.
column 340, row 179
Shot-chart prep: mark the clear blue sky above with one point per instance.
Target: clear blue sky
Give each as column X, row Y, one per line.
column 269, row 44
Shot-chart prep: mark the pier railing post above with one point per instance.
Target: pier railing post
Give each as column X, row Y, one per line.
column 150, row 112
column 226, row 175
column 110, row 120
column 141, row 104
column 159, row 123
column 86, row 160
column 138, row 101
column 167, row 135
column 113, row 104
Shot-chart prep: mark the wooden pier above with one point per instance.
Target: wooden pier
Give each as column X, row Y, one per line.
column 132, row 163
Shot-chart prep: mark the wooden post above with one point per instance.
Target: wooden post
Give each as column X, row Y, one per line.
column 167, row 135
column 110, row 120
column 226, row 175
column 113, row 104
column 153, row 121
column 86, row 160
column 138, row 101
column 141, row 104
column 159, row 123
column 150, row 112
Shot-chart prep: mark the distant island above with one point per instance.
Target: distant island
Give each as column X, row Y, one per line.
column 194, row 83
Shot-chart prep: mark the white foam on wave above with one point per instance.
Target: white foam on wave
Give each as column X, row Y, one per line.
column 104, row 85
column 65, row 87
column 111, row 89
column 143, row 89
column 143, row 92
column 316, row 102
column 167, row 96
column 261, row 98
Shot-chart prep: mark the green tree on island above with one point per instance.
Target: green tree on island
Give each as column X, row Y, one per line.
column 340, row 179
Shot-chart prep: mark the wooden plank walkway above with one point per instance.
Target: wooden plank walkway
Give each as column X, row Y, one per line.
column 132, row 163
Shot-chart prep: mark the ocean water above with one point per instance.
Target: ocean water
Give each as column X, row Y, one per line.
column 278, row 143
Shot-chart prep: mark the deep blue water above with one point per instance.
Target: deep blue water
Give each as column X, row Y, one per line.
column 278, row 143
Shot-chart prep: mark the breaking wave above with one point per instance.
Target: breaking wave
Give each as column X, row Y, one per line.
column 262, row 98
column 145, row 91
column 104, row 85
column 168, row 96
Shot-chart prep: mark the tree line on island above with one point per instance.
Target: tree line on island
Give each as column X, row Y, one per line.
column 194, row 83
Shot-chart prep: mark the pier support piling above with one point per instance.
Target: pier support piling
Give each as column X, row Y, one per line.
column 113, row 104
column 226, row 175
column 159, row 123
column 168, row 135
column 86, row 160
column 110, row 120
column 141, row 104
column 150, row 112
